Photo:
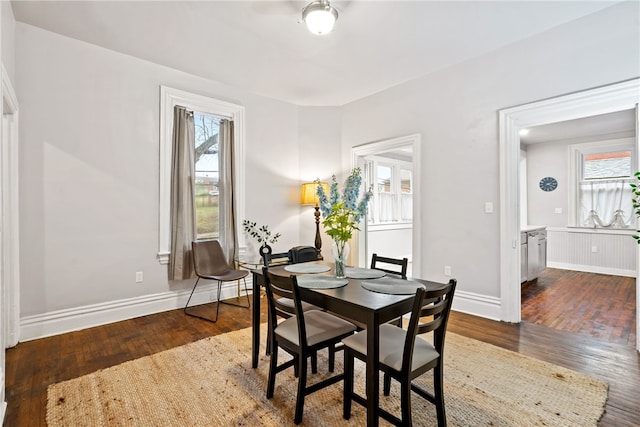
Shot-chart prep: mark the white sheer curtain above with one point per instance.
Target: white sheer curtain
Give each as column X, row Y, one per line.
column 606, row 203
column 183, row 217
column 386, row 207
column 406, row 207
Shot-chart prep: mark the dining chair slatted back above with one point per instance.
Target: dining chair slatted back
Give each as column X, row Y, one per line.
column 210, row 263
column 386, row 267
column 405, row 356
column 387, row 262
column 270, row 259
column 292, row 335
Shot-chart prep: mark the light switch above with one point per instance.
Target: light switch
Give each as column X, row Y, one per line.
column 488, row 207
column 558, row 210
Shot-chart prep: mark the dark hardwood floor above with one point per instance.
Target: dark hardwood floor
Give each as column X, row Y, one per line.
column 597, row 305
column 32, row 366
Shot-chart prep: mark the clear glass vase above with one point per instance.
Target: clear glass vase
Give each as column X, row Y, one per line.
column 340, row 252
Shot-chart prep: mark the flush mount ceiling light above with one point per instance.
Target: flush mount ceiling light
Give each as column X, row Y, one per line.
column 319, row 16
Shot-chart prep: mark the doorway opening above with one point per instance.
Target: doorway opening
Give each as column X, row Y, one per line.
column 603, row 100
column 589, row 220
column 390, row 170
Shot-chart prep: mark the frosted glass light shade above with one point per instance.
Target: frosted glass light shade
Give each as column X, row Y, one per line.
column 320, row 17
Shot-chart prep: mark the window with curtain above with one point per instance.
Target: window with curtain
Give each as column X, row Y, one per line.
column 392, row 200
column 201, row 176
column 604, row 171
column 207, row 175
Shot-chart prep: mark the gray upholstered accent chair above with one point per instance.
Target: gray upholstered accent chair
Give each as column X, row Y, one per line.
column 210, row 263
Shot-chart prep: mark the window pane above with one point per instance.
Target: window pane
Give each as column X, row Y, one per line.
column 207, row 170
column 384, row 179
column 405, row 181
column 607, row 165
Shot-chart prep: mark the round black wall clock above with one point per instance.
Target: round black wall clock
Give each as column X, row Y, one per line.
column 548, row 184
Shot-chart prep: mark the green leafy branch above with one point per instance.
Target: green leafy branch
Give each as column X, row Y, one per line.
column 635, row 189
column 262, row 234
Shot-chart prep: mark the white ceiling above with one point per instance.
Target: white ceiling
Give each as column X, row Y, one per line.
column 260, row 46
column 605, row 124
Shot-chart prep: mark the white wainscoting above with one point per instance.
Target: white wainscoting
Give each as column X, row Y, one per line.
column 592, row 250
column 73, row 319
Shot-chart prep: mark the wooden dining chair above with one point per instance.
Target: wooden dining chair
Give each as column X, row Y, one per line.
column 403, row 265
column 269, row 259
column 405, row 356
column 210, row 263
column 300, row 335
column 387, row 262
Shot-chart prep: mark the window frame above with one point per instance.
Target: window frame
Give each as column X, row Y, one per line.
column 169, row 98
column 576, row 163
column 373, row 221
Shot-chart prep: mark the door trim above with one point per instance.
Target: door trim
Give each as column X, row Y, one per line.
column 10, row 213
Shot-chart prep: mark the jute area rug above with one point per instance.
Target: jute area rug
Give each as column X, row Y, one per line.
column 211, row 383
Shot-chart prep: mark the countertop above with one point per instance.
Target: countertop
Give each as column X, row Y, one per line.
column 527, row 228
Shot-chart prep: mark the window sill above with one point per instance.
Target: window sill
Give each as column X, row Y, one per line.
column 390, row 226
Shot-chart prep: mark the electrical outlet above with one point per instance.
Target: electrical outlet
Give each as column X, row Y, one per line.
column 594, row 249
column 488, row 207
column 447, row 270
column 558, row 210
column 139, row 277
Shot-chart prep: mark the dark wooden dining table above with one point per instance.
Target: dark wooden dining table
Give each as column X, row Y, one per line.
column 351, row 301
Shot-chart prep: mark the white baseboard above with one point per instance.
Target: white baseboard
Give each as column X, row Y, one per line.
column 73, row 319
column 62, row 321
column 592, row 269
column 478, row 305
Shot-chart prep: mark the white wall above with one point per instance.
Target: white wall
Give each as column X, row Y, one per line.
column 89, row 154
column 547, row 159
column 89, row 170
column 8, row 39
column 455, row 111
column 319, row 151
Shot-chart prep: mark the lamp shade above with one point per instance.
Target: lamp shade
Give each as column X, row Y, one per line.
column 308, row 195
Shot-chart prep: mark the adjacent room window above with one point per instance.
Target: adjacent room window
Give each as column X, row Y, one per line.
column 603, row 173
column 392, row 200
column 208, row 113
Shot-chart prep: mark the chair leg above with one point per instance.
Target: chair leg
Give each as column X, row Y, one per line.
column 273, row 365
column 332, row 358
column 314, row 362
column 233, row 303
column 302, row 386
column 348, row 384
column 386, row 388
column 186, row 306
column 405, row 401
column 269, row 334
column 438, row 395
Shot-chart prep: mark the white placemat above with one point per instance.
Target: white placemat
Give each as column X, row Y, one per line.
column 363, row 273
column 390, row 285
column 307, row 268
column 320, row 281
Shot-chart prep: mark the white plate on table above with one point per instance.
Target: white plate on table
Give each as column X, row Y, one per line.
column 307, row 268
